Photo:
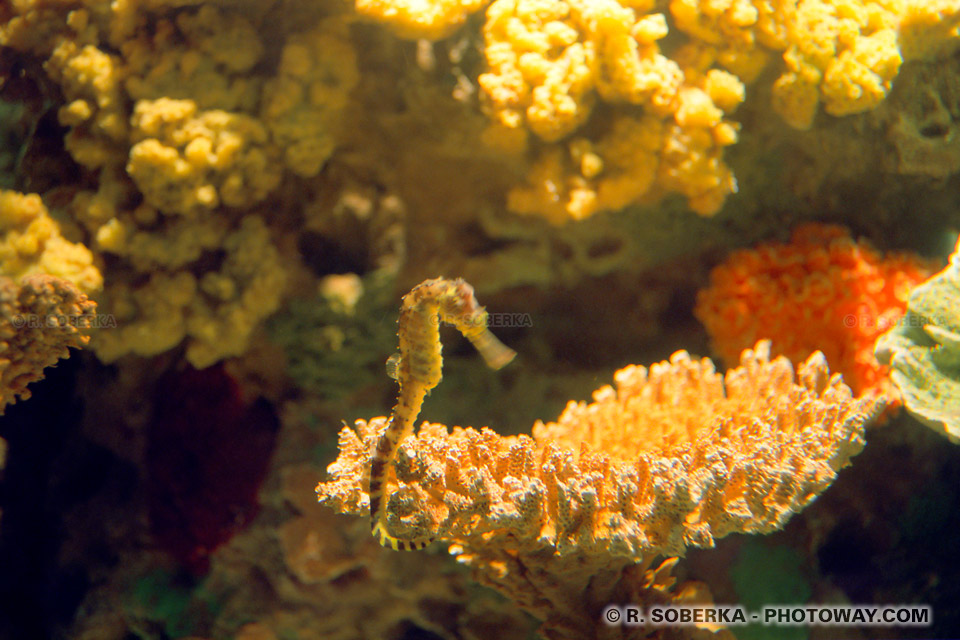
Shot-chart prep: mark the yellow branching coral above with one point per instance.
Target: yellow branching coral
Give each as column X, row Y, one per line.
column 302, row 106
column 586, row 177
column 549, row 63
column 246, row 289
column 216, row 311
column 171, row 245
column 40, row 319
column 185, row 161
column 676, row 455
column 96, row 107
column 31, row 243
column 843, row 54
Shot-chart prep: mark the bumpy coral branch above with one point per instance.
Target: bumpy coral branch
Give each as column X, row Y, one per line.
column 31, row 243
column 39, row 320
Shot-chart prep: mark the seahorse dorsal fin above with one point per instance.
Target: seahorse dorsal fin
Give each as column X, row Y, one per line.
column 393, row 366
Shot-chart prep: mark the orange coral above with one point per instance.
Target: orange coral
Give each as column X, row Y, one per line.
column 676, row 455
column 39, row 320
column 822, row 291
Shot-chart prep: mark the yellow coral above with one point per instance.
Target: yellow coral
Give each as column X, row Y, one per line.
column 185, row 161
column 431, row 19
column 618, row 170
column 150, row 317
column 204, row 56
column 303, row 105
column 843, row 52
column 174, row 245
column 31, row 243
column 246, row 289
column 40, row 319
column 550, row 60
column 216, row 312
column 95, row 107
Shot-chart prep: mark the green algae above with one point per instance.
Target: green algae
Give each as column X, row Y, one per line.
column 765, row 575
column 335, row 346
column 924, row 351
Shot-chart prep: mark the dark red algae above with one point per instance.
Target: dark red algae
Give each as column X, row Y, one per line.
column 207, row 454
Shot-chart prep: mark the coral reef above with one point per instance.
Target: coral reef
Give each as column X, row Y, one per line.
column 245, row 188
column 40, row 319
column 821, row 291
column 923, row 349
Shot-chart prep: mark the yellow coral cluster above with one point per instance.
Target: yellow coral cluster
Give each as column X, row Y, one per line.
column 843, row 54
column 215, row 312
column 204, row 56
column 304, row 103
column 551, row 63
column 185, row 162
column 40, row 318
column 31, row 243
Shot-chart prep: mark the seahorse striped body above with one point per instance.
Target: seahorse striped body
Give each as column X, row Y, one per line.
column 418, row 370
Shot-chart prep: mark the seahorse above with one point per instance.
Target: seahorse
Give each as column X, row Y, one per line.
column 417, row 369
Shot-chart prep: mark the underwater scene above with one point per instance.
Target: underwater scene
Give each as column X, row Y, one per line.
column 479, row 319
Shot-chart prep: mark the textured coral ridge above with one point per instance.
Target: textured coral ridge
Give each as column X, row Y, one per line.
column 675, row 455
column 40, row 319
column 550, row 62
column 822, row 290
